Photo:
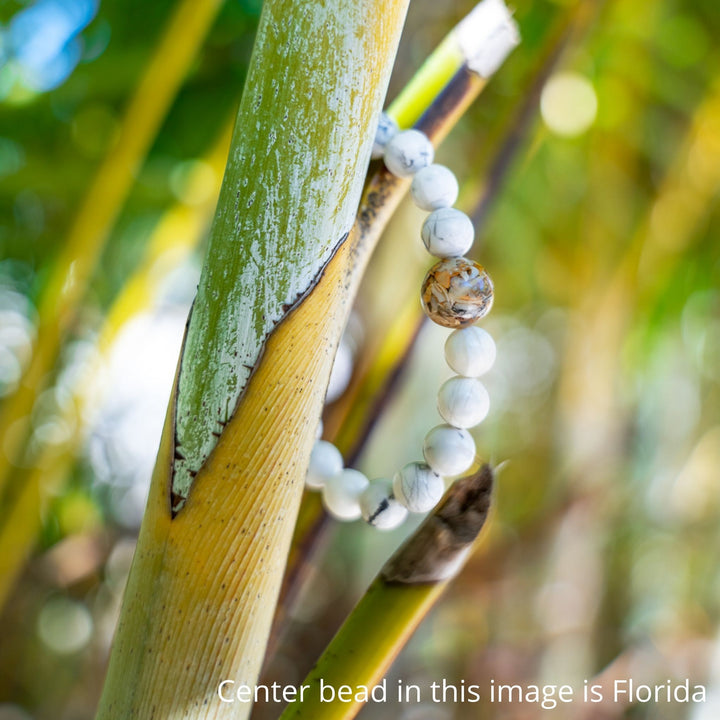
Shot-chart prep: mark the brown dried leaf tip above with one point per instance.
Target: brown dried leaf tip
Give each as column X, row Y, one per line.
column 438, row 548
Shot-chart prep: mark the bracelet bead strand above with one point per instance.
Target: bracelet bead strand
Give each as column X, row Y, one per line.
column 455, row 294
column 447, row 232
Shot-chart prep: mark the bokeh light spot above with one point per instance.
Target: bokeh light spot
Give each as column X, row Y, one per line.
column 64, row 625
column 568, row 104
column 192, row 181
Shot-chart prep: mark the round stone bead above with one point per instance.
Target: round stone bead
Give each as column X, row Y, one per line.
column 417, row 487
column 457, row 292
column 434, row 187
column 341, row 494
column 408, row 152
column 449, row 450
column 387, row 129
column 447, row 233
column 463, row 402
column 380, row 508
column 470, row 351
column 325, row 462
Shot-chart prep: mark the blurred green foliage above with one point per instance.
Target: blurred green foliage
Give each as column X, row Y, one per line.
column 604, row 251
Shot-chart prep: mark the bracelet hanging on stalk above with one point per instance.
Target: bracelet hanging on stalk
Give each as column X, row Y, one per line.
column 456, row 293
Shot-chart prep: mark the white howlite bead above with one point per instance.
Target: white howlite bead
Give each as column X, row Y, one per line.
column 386, row 130
column 341, row 494
column 417, row 487
column 448, row 233
column 434, row 187
column 449, row 450
column 325, row 462
column 463, row 402
column 380, row 508
column 319, row 430
column 408, row 152
column 470, row 351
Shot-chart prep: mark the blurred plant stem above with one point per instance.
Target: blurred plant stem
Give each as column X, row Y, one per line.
column 621, row 279
column 176, row 236
column 617, row 287
column 199, row 599
column 73, row 268
column 569, row 33
column 406, row 588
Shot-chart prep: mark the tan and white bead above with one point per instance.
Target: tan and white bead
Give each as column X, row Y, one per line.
column 457, row 292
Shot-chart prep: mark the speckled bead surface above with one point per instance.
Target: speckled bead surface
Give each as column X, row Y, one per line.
column 380, row 508
column 457, row 292
column 386, row 130
column 417, row 487
column 470, row 351
column 341, row 494
column 463, row 402
column 447, row 233
column 407, row 153
column 434, row 187
column 449, row 450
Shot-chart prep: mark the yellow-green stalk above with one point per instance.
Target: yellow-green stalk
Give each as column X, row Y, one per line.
column 282, row 266
column 396, row 601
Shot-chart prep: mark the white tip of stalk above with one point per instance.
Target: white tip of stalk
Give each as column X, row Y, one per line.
column 487, row 36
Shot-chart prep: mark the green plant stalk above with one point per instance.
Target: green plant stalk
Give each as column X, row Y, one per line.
column 281, row 267
column 279, row 248
column 72, row 270
column 397, row 600
column 434, row 74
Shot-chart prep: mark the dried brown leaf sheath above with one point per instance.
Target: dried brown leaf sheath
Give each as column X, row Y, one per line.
column 437, row 550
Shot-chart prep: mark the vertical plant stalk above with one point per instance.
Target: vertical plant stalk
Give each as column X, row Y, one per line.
column 279, row 275
column 81, row 250
column 311, row 529
column 398, row 599
column 177, row 234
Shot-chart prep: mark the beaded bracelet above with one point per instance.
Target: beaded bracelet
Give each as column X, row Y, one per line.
column 456, row 292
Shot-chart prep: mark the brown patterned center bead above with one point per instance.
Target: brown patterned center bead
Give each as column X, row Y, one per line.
column 457, row 292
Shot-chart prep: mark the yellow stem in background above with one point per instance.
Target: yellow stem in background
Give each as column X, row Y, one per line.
column 434, row 74
column 24, row 518
column 83, row 246
column 605, row 308
column 175, row 237
column 361, row 653
column 397, row 600
column 353, row 412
